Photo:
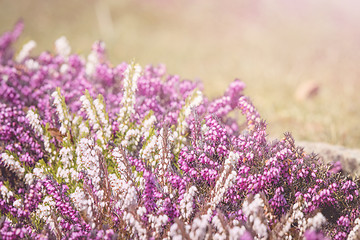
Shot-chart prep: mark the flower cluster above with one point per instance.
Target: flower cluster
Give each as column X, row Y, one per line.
column 89, row 150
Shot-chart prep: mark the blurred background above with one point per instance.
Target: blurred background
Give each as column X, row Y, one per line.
column 299, row 59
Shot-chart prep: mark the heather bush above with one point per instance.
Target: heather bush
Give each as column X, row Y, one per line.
column 95, row 151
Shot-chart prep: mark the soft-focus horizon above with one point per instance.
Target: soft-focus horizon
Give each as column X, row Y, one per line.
column 275, row 47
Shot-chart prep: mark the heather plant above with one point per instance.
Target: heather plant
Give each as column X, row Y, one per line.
column 95, row 151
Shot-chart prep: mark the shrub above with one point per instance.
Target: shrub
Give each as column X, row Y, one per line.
column 150, row 157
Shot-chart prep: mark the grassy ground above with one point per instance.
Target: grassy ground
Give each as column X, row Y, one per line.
column 273, row 48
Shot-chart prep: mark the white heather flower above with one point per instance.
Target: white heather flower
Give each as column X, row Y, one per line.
column 62, row 129
column 9, row 162
column 186, row 204
column 122, row 169
column 49, row 201
column 204, row 128
column 95, row 111
column 121, row 161
column 73, row 174
column 45, row 209
column 252, row 211
column 26, row 50
column 46, row 141
column 125, row 193
column 175, row 232
column 147, row 125
column 197, row 100
column 199, row 226
column 354, row 233
column 316, row 222
column 32, row 64
column 131, row 76
column 236, row 232
column 67, row 174
column 5, row 192
column 83, row 129
column 132, row 138
column 253, row 207
column 141, row 211
column 192, row 101
column 220, row 234
column 157, row 152
column 91, row 63
column 231, row 160
column 221, row 188
column 79, row 199
column 131, row 197
column 286, row 227
column 64, row 68
column 100, row 110
column 157, row 222
column 66, row 156
column 88, row 159
column 34, row 120
column 149, row 149
column 83, row 204
column 75, row 120
column 38, row 172
column 62, row 47
column 119, row 158
column 61, row 110
column 62, row 173
column 225, row 180
column 93, row 60
column 139, row 180
column 159, row 203
column 99, row 106
column 53, row 158
column 29, row 178
column 5, row 78
column 135, row 225
column 58, row 105
column 299, row 216
column 260, row 228
column 17, row 203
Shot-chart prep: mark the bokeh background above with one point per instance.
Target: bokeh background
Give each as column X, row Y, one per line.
column 278, row 48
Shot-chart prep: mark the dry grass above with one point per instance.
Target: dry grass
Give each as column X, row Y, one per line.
column 272, row 47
